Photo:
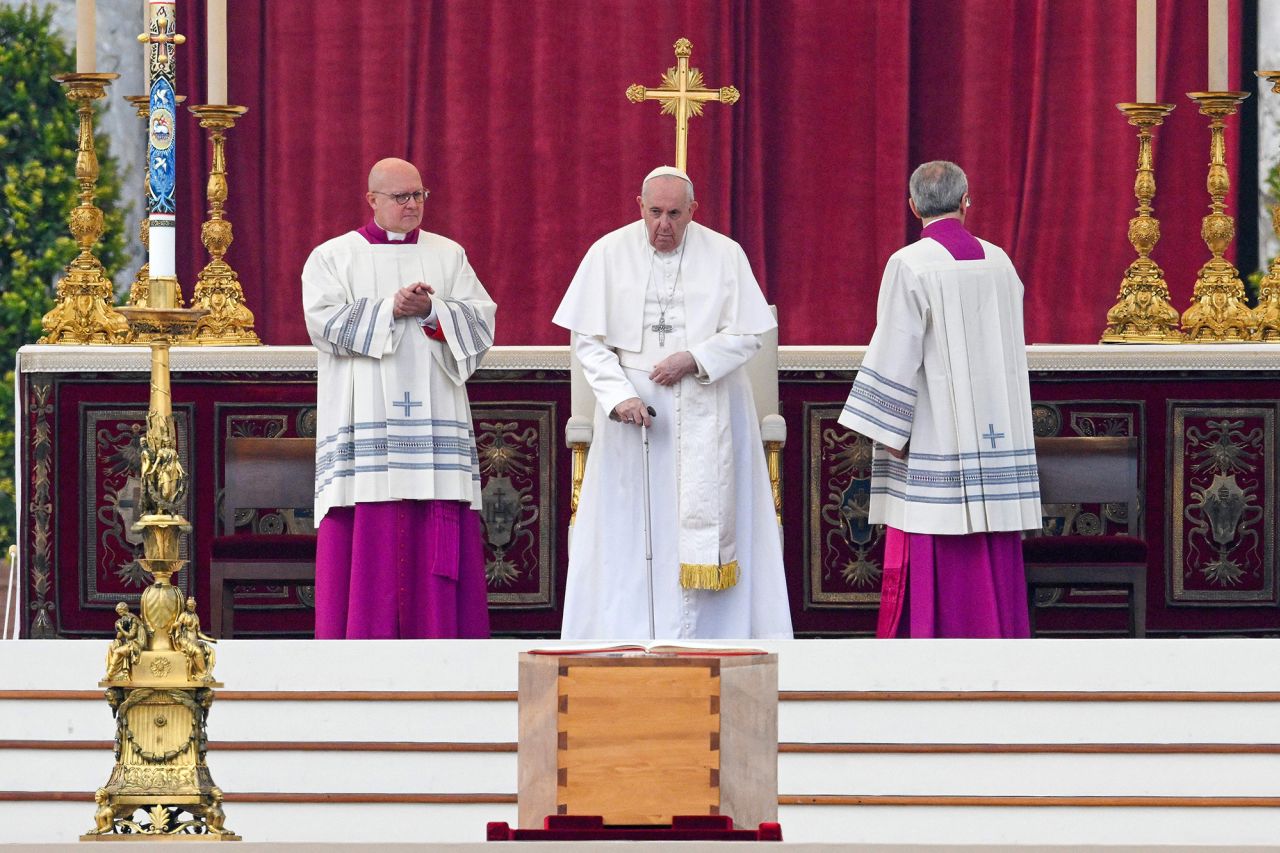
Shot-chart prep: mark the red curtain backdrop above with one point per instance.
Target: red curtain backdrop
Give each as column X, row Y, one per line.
column 515, row 113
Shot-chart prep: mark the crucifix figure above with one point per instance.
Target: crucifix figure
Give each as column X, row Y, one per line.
column 682, row 94
column 662, row 327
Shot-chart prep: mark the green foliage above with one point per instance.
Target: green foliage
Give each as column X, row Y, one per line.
column 38, row 133
column 1270, row 198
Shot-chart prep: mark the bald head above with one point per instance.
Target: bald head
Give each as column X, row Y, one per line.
column 392, row 171
column 389, row 178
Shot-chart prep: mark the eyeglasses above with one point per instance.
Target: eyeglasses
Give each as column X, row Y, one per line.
column 403, row 198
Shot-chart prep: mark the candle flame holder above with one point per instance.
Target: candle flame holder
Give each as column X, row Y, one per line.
column 1143, row 313
column 217, row 290
column 1218, row 311
column 83, row 313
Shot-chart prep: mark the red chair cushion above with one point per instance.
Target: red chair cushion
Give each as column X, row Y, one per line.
column 292, row 547
column 1084, row 549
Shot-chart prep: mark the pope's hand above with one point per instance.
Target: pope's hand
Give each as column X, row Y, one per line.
column 673, row 368
column 413, row 300
column 632, row 411
column 897, row 454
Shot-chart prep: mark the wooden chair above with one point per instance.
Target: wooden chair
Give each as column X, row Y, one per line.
column 1090, row 470
column 261, row 473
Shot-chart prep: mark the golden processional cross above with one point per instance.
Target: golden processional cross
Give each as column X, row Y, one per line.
column 682, row 95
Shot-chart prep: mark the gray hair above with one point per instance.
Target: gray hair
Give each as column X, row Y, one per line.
column 688, row 186
column 937, row 187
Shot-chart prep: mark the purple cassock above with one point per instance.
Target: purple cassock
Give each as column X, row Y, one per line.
column 972, row 585
column 401, row 570
column 406, row 569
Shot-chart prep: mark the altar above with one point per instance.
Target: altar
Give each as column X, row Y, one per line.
column 1205, row 417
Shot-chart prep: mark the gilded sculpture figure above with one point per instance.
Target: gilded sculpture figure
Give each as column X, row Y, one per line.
column 214, row 817
column 128, row 646
column 104, row 817
column 197, row 646
column 164, row 485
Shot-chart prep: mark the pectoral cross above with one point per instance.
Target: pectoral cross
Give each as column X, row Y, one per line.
column 662, row 327
column 682, row 94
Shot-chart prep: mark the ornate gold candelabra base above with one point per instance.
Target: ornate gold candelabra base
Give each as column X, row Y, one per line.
column 1143, row 313
column 159, row 675
column 229, row 322
column 82, row 313
column 1218, row 311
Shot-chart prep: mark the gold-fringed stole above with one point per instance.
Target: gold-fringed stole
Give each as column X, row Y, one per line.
column 709, row 575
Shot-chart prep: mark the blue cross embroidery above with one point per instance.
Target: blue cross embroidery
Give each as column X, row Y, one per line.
column 991, row 435
column 407, row 403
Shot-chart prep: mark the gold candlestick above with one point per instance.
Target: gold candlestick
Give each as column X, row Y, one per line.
column 160, row 667
column 1218, row 311
column 1143, row 313
column 83, row 312
column 1266, row 317
column 229, row 321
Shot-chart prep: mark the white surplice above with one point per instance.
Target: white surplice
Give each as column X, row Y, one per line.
column 716, row 311
column 947, row 371
column 393, row 421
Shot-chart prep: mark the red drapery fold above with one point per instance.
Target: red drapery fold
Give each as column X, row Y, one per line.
column 516, row 115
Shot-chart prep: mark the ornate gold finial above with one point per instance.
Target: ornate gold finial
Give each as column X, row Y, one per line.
column 82, row 313
column 682, row 94
column 1143, row 313
column 1218, row 312
column 229, row 321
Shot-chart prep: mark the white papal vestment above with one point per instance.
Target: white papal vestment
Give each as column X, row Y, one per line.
column 715, row 309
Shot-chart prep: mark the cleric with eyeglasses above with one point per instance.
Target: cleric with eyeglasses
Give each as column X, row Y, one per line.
column 400, row 322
